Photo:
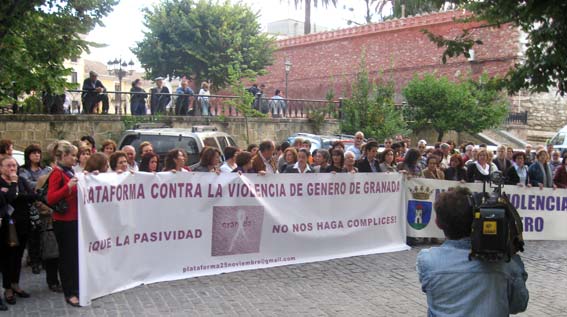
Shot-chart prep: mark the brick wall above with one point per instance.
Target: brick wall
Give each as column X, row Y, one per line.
column 395, row 48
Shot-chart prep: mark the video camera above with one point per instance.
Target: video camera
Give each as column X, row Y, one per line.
column 497, row 228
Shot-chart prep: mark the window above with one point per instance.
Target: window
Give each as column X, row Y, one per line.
column 222, row 142
column 231, row 141
column 163, row 143
column 558, row 139
column 74, row 78
column 210, row 142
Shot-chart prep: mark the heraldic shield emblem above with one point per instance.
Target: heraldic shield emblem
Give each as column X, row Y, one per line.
column 419, row 208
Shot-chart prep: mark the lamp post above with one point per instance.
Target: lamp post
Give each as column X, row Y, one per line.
column 120, row 69
column 287, row 65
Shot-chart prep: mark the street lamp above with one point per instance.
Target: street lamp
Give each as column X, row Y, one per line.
column 120, row 69
column 287, row 65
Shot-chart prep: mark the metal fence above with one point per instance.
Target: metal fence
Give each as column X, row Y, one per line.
column 216, row 105
column 517, row 118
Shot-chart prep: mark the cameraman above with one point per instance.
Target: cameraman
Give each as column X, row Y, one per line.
column 456, row 286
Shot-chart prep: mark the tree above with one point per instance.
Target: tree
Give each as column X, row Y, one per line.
column 244, row 99
column 307, row 4
column 371, row 108
column 544, row 63
column 202, row 39
column 470, row 106
column 400, row 8
column 37, row 36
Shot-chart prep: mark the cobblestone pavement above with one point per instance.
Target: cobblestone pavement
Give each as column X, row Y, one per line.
column 374, row 285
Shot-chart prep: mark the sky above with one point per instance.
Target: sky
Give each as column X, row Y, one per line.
column 124, row 26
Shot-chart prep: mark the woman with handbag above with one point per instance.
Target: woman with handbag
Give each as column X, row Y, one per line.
column 62, row 197
column 19, row 196
column 31, row 171
column 47, row 241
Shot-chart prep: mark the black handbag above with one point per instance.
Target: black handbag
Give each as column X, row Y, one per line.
column 49, row 247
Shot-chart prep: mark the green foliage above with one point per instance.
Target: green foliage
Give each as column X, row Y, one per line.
column 371, row 108
column 543, row 64
column 131, row 122
column 470, row 106
column 32, row 104
column 243, row 102
column 203, row 40
column 37, row 36
column 317, row 115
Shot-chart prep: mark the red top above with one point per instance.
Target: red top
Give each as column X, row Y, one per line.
column 56, row 192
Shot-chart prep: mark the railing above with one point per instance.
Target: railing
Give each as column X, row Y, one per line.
column 517, row 118
column 217, row 105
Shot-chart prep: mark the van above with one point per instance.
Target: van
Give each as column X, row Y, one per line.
column 191, row 140
column 559, row 141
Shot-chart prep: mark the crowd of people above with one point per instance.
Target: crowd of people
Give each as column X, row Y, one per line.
column 38, row 200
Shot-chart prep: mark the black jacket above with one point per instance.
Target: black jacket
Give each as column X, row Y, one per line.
column 158, row 103
column 364, row 166
column 461, row 174
column 473, row 174
column 20, row 196
column 501, row 168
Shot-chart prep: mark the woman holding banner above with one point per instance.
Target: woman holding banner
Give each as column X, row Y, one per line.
column 62, row 196
column 210, row 160
column 540, row 173
column 149, row 163
column 456, row 170
column 175, row 161
column 518, row 173
column 479, row 170
column 301, row 166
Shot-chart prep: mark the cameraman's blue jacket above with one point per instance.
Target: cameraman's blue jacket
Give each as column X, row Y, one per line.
column 456, row 286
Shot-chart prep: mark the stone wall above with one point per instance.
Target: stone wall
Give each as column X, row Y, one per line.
column 44, row 129
column 547, row 113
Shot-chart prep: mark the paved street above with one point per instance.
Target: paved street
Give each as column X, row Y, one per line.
column 375, row 285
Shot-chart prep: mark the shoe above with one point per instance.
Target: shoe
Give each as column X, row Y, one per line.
column 21, row 293
column 56, row 288
column 10, row 299
column 36, row 269
column 2, row 306
column 68, row 300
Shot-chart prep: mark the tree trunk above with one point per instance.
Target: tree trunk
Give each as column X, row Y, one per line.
column 307, row 24
column 440, row 134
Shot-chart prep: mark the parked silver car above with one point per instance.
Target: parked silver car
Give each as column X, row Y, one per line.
column 191, row 140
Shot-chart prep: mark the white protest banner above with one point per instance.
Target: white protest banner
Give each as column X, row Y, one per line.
column 543, row 211
column 146, row 228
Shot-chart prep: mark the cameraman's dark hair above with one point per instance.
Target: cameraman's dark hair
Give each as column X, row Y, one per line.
column 454, row 213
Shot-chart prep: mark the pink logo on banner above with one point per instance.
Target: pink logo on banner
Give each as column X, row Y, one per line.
column 237, row 230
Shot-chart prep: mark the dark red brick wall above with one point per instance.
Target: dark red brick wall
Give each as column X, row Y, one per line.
column 395, row 49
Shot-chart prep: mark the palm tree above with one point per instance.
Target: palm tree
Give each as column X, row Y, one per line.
column 307, row 3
